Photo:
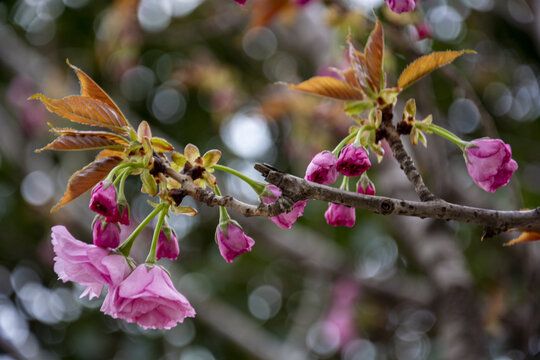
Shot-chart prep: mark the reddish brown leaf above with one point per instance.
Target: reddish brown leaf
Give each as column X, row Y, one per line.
column 524, row 237
column 84, row 140
column 350, row 78
column 92, row 90
column 329, row 87
column 426, row 64
column 359, row 67
column 373, row 54
column 86, row 178
column 110, row 153
column 84, row 110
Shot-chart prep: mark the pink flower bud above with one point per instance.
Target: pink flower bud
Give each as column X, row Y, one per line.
column 103, row 201
column 285, row 220
column 401, row 6
column 353, row 160
column 148, row 297
column 167, row 246
column 369, row 189
column 490, row 163
column 322, row 168
column 340, row 215
column 88, row 265
column 234, row 242
column 241, row 2
column 106, row 235
column 423, row 31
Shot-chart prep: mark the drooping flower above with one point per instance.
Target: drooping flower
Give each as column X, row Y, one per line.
column 353, row 160
column 167, row 246
column 285, row 220
column 86, row 264
column 490, row 163
column 340, row 215
column 322, row 168
column 147, row 297
column 232, row 241
column 401, row 6
column 365, row 186
column 106, row 235
column 103, row 201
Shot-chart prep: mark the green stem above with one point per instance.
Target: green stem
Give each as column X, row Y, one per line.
column 344, row 142
column 257, row 186
column 125, row 247
column 345, row 184
column 447, row 135
column 223, row 214
column 123, row 178
column 151, row 259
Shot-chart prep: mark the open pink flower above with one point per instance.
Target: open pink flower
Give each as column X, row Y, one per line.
column 147, row 297
column 105, row 234
column 401, row 6
column 490, row 163
column 88, row 265
column 285, row 220
column 167, row 246
column 103, row 201
column 353, row 160
column 233, row 242
column 340, row 215
column 322, row 168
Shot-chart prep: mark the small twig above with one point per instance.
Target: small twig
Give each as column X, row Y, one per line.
column 406, row 164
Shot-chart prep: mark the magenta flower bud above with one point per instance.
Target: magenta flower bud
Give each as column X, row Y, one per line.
column 366, row 187
column 241, row 2
column 401, row 6
column 147, row 297
column 285, row 220
column 232, row 241
column 340, row 215
column 103, row 200
column 322, row 169
column 490, row 163
column 106, row 235
column 167, row 246
column 302, row 2
column 353, row 160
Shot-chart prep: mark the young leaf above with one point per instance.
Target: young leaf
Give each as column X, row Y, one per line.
column 426, row 64
column 359, row 67
column 211, row 157
column 84, row 140
column 161, row 145
column 373, row 55
column 110, row 153
column 86, row 178
column 92, row 90
column 329, row 87
column 191, row 152
column 524, row 237
column 84, row 110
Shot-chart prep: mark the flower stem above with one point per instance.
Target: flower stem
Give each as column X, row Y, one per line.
column 223, row 214
column 447, row 135
column 345, row 184
column 257, row 186
column 125, row 247
column 344, row 142
column 151, row 259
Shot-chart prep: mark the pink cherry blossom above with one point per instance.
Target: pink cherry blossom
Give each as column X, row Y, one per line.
column 340, row 215
column 103, row 201
column 353, row 160
column 86, row 264
column 490, row 163
column 167, row 246
column 234, row 243
column 285, row 220
column 401, row 6
column 105, row 234
column 322, row 168
column 147, row 297
column 368, row 190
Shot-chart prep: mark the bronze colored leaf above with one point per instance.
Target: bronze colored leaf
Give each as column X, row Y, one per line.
column 86, row 178
column 350, row 77
column 373, row 54
column 84, row 110
column 329, row 87
column 359, row 67
column 92, row 90
column 524, row 237
column 161, row 145
column 84, row 140
column 426, row 64
column 110, row 153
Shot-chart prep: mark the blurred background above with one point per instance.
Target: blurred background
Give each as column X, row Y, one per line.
column 204, row 72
